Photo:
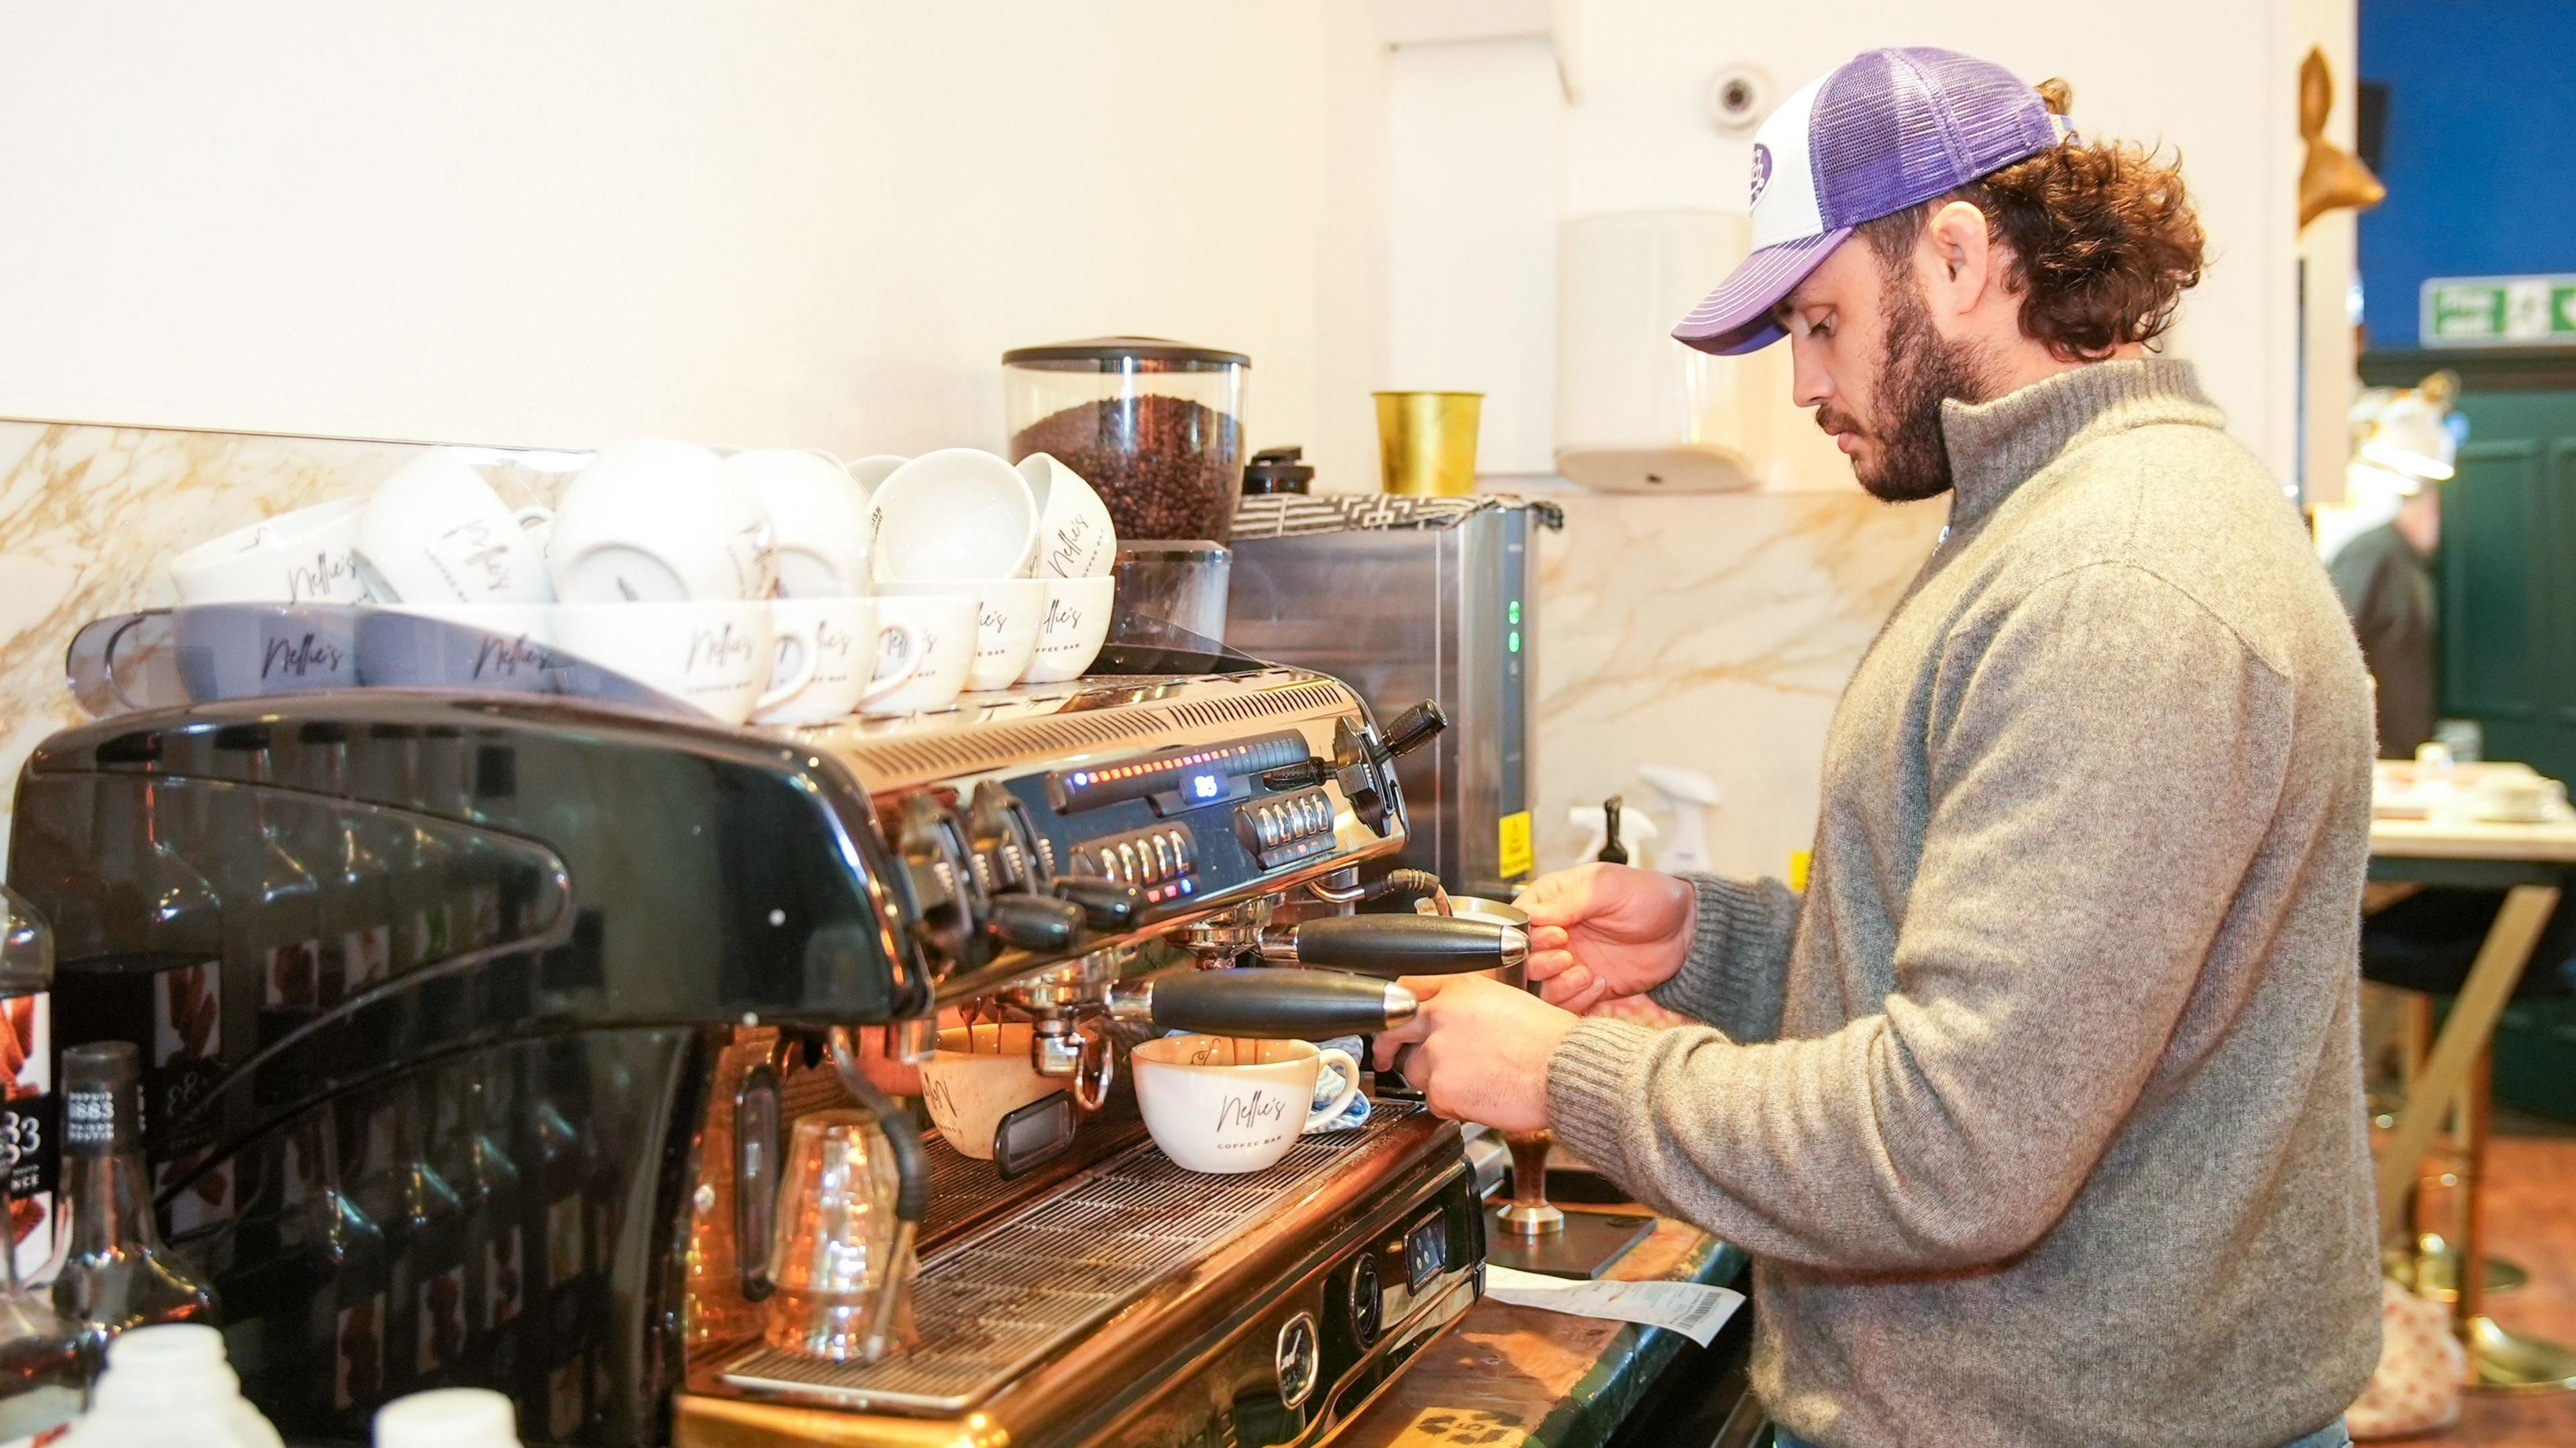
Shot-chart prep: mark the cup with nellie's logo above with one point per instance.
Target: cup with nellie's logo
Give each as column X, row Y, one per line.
column 1225, row 1104
column 718, row 657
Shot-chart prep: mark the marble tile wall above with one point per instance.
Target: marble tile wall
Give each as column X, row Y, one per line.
column 89, row 518
column 1711, row 632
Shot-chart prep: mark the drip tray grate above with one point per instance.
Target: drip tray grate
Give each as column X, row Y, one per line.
column 993, row 1304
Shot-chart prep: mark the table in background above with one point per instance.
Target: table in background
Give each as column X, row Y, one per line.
column 2525, row 862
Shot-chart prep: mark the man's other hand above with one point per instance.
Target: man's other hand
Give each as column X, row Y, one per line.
column 1598, row 931
column 1480, row 1050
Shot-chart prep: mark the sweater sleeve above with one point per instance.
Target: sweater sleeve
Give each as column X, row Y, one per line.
column 2103, row 760
column 1737, row 972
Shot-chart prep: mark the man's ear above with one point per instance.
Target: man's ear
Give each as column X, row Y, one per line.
column 1962, row 255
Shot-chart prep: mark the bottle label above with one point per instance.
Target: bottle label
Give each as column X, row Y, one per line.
column 369, row 954
column 485, row 906
column 501, row 1277
column 207, row 1201
column 188, row 1014
column 291, row 977
column 89, row 1118
column 26, row 1147
column 564, row 1256
column 442, row 1320
column 565, row 1391
column 360, row 1376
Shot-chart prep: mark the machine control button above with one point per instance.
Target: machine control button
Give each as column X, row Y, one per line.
column 1265, row 826
column 1127, row 863
column 1319, row 815
column 1368, row 1301
column 1163, row 861
column 1298, row 1359
column 1181, row 848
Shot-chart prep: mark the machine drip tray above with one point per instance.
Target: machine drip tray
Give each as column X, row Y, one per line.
column 1013, row 1292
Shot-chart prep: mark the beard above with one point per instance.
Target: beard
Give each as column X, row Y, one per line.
column 1920, row 371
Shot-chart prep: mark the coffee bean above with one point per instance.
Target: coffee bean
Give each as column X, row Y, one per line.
column 1166, row 467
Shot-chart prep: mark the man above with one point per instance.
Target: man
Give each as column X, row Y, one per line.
column 2041, row 1111
column 2385, row 575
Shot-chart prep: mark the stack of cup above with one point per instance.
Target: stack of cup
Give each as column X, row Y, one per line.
column 1016, row 558
column 459, row 580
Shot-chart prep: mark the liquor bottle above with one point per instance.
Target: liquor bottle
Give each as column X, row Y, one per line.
column 427, row 868
column 345, row 1280
column 274, row 905
column 424, row 1227
column 357, row 906
column 114, row 1274
column 40, row 1364
column 478, row 868
column 465, row 1152
column 556, row 1164
column 144, row 964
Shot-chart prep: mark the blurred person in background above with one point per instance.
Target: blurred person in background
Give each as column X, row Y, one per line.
column 2385, row 574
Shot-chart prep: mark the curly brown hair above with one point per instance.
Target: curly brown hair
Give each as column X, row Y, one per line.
column 2102, row 236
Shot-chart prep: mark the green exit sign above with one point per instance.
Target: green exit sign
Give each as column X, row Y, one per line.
column 2499, row 312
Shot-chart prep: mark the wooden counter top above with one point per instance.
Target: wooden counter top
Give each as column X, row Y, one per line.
column 1518, row 1377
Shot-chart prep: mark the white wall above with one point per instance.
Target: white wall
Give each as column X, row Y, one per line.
column 563, row 223
column 2214, row 78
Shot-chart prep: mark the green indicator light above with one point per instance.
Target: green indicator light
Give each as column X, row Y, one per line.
column 1513, row 643
column 1512, row 613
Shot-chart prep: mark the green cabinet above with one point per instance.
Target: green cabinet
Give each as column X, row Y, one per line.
column 2508, row 570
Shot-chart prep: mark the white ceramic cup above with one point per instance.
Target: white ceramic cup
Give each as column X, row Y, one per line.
column 1223, row 1104
column 506, row 647
column 939, row 629
column 870, row 471
column 818, row 519
column 436, row 533
column 1075, row 625
column 970, row 1090
column 956, row 514
column 1007, row 614
column 2516, row 797
column 846, row 640
column 245, row 650
column 716, row 656
column 1075, row 537
column 657, row 521
column 300, row 557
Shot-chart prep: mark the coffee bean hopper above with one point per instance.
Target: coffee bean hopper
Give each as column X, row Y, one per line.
column 621, row 955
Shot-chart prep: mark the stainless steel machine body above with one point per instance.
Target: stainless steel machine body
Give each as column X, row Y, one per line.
column 1420, row 612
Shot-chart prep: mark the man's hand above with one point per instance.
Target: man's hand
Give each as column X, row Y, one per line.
column 1606, row 930
column 1480, row 1050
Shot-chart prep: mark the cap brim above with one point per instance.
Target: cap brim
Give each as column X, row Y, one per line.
column 1737, row 317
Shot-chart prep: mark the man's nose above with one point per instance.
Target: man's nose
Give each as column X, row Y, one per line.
column 1809, row 384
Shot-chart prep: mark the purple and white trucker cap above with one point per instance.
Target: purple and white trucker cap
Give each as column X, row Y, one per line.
column 1884, row 130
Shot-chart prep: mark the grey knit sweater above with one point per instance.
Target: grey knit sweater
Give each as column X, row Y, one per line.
column 2041, row 1111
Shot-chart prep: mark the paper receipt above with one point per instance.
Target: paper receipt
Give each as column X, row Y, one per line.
column 1693, row 1310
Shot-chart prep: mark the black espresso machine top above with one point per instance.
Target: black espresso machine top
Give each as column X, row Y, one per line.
column 463, row 963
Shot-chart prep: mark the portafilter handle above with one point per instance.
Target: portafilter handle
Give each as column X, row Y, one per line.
column 1395, row 945
column 1306, row 1005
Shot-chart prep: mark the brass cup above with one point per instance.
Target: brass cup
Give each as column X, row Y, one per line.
column 836, row 1241
column 1426, row 441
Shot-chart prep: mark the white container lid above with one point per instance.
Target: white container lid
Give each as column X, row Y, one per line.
column 448, row 1418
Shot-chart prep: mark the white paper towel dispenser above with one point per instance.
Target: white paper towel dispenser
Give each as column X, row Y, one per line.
column 1636, row 411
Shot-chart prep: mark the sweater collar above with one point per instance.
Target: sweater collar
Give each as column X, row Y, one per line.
column 1995, row 446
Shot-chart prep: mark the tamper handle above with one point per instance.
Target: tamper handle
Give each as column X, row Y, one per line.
column 1392, row 945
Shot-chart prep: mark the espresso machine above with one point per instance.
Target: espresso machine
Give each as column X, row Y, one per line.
column 473, row 1028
